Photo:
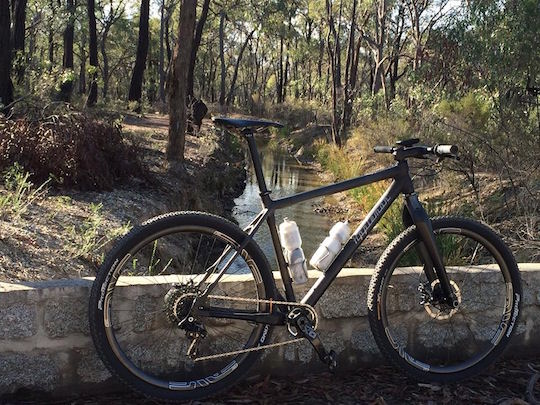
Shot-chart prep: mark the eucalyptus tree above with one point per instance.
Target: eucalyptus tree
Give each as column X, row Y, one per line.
column 6, row 86
column 93, row 54
column 135, row 88
column 66, row 86
column 334, row 55
column 18, row 35
column 109, row 14
column 177, row 81
column 196, row 43
column 19, row 24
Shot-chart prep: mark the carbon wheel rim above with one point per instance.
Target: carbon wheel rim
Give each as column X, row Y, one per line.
column 140, row 327
column 437, row 339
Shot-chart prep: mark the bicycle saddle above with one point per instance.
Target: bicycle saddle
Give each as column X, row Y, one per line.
column 241, row 123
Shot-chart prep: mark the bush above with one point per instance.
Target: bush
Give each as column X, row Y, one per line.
column 298, row 114
column 19, row 192
column 342, row 166
column 75, row 150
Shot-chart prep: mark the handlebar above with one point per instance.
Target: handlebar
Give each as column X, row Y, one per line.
column 445, row 150
column 419, row 151
column 383, row 149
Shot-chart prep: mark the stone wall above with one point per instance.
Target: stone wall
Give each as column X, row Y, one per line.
column 45, row 343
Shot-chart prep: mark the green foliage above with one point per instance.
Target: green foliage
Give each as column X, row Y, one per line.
column 19, row 192
column 475, row 109
column 391, row 224
column 341, row 164
column 89, row 238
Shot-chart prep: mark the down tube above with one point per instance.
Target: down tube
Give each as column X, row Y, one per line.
column 371, row 219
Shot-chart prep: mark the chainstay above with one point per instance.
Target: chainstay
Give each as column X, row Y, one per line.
column 271, row 302
column 263, row 347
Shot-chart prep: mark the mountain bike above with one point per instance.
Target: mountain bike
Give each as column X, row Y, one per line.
column 186, row 303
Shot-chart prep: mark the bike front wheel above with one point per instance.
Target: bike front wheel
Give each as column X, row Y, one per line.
column 141, row 306
column 410, row 321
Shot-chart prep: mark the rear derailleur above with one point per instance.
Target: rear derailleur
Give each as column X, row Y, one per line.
column 195, row 331
column 300, row 324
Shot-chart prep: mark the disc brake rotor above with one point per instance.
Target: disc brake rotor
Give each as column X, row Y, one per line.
column 441, row 311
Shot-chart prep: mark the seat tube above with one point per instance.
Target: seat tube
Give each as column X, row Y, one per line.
column 425, row 230
column 257, row 164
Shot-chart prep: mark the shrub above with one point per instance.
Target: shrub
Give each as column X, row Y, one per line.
column 297, row 114
column 19, row 192
column 342, row 166
column 75, row 150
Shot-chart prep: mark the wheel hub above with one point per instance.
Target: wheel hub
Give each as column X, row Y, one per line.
column 434, row 303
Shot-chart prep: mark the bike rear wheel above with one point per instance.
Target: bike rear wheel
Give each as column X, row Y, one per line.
column 412, row 325
column 141, row 300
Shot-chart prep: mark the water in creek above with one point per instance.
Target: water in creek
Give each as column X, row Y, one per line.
column 284, row 176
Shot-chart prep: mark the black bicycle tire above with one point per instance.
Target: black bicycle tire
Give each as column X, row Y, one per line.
column 385, row 264
column 123, row 246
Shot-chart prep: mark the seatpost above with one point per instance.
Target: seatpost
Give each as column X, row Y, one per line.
column 257, row 166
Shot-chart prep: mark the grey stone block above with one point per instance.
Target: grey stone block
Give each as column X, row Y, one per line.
column 300, row 351
column 344, row 301
column 28, row 370
column 363, row 341
column 91, row 369
column 18, row 321
column 65, row 317
column 529, row 291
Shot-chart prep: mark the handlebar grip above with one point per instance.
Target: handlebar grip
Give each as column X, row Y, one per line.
column 383, row 149
column 446, row 150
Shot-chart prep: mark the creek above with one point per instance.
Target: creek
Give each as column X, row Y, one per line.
column 284, row 176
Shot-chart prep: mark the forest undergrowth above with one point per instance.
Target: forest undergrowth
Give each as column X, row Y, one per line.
column 496, row 179
column 61, row 225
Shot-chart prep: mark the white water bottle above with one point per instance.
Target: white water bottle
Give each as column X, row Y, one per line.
column 331, row 246
column 292, row 242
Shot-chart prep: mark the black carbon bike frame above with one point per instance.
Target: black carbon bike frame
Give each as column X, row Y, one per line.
column 413, row 213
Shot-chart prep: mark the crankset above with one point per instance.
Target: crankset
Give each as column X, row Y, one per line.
column 299, row 319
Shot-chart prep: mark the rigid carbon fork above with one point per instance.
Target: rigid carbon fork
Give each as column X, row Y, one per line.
column 299, row 319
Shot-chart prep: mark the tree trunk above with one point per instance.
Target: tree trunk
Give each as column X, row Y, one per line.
column 177, row 81
column 6, row 86
column 279, row 81
column 19, row 20
column 82, row 68
column 349, row 86
column 32, row 36
column 222, row 57
column 168, row 15
column 67, row 60
column 93, row 51
column 135, row 88
column 213, row 71
column 334, row 52
column 396, row 49
column 105, row 59
column 50, row 39
column 162, row 52
column 18, row 33
column 235, row 74
column 380, row 28
column 285, row 77
column 196, row 44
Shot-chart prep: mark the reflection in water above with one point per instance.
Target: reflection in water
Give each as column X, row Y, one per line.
column 284, row 176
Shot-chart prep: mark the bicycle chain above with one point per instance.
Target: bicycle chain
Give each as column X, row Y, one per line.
column 263, row 347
